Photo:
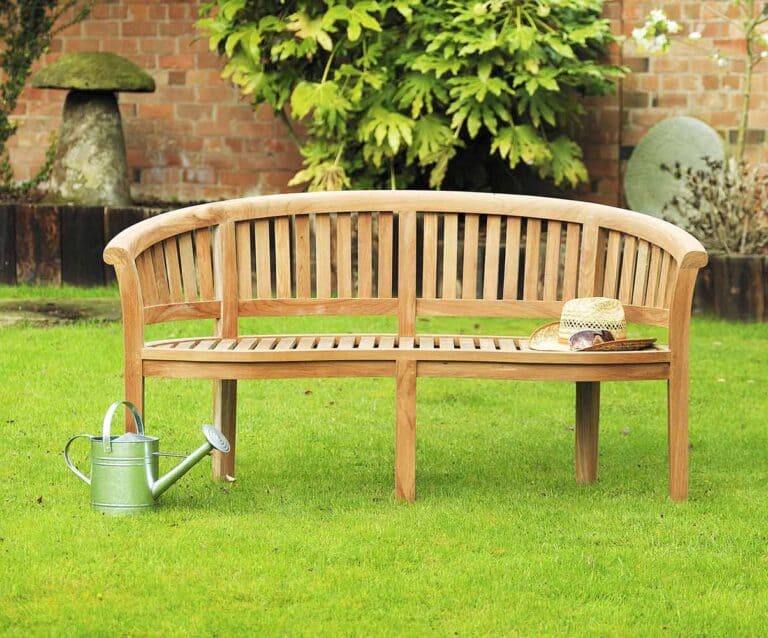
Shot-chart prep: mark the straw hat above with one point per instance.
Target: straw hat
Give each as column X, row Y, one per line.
column 595, row 314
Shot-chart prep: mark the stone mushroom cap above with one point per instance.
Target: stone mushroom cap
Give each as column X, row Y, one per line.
column 94, row 71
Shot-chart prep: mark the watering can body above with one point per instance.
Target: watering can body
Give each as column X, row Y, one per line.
column 125, row 475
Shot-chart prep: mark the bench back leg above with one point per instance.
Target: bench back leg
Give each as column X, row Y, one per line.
column 225, row 419
column 587, row 430
column 405, row 431
column 677, row 431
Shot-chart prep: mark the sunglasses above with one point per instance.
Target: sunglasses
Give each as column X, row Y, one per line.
column 588, row 338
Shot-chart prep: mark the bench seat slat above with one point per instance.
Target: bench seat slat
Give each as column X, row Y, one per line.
column 265, row 343
column 367, row 342
column 306, row 343
column 387, row 342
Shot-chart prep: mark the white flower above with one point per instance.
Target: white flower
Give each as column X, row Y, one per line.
column 660, row 42
column 657, row 15
column 694, row 35
column 639, row 34
column 722, row 62
column 672, row 26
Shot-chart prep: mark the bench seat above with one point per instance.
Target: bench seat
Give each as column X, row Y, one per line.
column 375, row 355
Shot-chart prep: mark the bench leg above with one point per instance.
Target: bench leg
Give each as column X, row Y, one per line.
column 587, row 429
column 405, row 431
column 225, row 419
column 677, row 432
column 134, row 392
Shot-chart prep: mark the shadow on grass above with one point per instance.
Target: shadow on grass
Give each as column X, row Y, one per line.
column 446, row 474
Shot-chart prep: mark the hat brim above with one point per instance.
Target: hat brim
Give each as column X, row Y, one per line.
column 545, row 338
column 621, row 345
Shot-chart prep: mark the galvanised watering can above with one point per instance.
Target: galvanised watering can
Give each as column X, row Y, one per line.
column 124, row 469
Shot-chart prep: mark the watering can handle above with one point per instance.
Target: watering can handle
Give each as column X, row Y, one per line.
column 105, row 427
column 70, row 464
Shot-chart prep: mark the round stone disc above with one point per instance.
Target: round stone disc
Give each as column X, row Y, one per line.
column 677, row 139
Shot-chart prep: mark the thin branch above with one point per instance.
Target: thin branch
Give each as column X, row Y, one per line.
column 289, row 127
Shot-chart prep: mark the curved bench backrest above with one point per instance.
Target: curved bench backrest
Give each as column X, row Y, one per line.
column 404, row 253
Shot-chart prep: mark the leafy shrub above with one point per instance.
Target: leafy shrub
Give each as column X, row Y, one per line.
column 26, row 30
column 724, row 205
column 390, row 90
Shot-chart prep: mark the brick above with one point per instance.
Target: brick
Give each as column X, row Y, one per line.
column 177, row 78
column 175, row 94
column 205, row 77
column 213, row 95
column 161, row 45
column 194, row 111
column 175, row 28
column 101, row 28
column 158, row 12
column 156, row 111
column 276, row 180
column 179, row 12
column 219, row 160
column 76, row 45
column 636, row 64
column 753, row 136
column 243, row 112
column 139, row 28
column 633, row 99
column 722, row 118
column 215, row 127
column 238, row 178
column 177, row 61
column 138, row 11
column 199, row 175
column 125, row 47
column 670, row 64
column 672, row 100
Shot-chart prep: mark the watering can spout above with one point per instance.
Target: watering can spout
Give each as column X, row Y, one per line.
column 214, row 439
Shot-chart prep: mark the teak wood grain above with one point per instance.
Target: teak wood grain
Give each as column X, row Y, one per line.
column 406, row 254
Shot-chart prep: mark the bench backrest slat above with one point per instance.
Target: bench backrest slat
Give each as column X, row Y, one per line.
column 365, row 255
column 531, row 277
column 430, row 255
column 552, row 261
column 450, row 256
column 512, row 258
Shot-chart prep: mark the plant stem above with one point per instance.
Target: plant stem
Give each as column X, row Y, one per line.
column 746, row 92
column 328, row 64
column 289, row 127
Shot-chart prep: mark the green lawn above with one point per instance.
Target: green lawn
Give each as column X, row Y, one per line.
column 309, row 540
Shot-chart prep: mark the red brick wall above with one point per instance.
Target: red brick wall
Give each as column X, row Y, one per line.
column 194, row 138
column 688, row 82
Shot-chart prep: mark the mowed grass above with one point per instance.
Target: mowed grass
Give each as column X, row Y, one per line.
column 310, row 541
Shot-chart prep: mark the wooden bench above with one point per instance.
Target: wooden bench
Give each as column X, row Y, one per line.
column 406, row 254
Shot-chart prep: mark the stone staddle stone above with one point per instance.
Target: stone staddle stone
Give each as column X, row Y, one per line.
column 90, row 166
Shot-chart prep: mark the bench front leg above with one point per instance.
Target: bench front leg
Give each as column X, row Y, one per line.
column 405, row 431
column 225, row 419
column 587, row 430
column 134, row 393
